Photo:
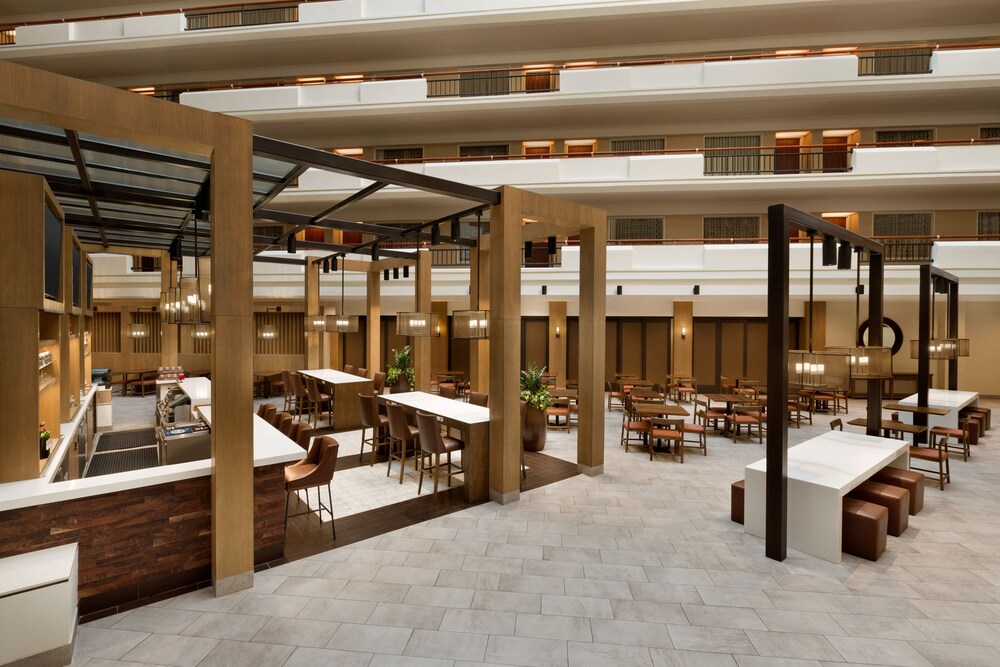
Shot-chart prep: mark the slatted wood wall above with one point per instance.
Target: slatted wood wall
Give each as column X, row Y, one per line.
column 291, row 333
column 106, row 332
column 151, row 343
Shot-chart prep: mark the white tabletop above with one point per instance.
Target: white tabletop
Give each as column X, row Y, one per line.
column 838, row 459
column 944, row 398
column 36, row 569
column 269, row 444
column 459, row 411
column 199, row 390
column 331, row 376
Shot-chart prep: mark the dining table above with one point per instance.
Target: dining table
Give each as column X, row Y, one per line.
column 646, row 394
column 660, row 410
column 474, row 423
column 344, row 388
column 889, row 426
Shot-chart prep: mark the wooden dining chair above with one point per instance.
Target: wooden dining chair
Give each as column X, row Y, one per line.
column 667, row 429
column 837, row 425
column 747, row 414
column 558, row 411
column 932, row 454
column 687, row 389
column 634, row 430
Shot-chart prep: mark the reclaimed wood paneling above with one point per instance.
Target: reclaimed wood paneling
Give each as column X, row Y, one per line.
column 138, row 543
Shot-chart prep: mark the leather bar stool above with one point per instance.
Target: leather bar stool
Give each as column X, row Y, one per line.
column 371, row 419
column 479, row 398
column 433, row 444
column 282, row 422
column 266, row 411
column 314, row 471
column 402, row 436
column 893, row 498
column 906, row 479
column 863, row 528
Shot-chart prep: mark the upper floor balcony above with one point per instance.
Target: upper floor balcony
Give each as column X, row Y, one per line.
column 706, row 95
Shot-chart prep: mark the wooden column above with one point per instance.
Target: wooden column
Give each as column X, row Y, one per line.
column 439, row 342
column 314, row 339
column 817, row 322
column 479, row 349
column 505, row 347
column 22, row 202
column 422, row 344
column 557, row 343
column 374, row 315
column 169, row 337
column 681, row 348
column 593, row 301
column 232, row 363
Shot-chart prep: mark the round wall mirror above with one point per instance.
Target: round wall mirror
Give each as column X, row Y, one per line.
column 892, row 335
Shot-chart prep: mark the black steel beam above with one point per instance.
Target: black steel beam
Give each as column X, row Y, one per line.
column 923, row 355
column 357, row 196
column 776, row 488
column 280, row 187
column 290, row 218
column 81, row 168
column 268, row 259
column 953, row 333
column 327, row 161
column 337, row 248
column 802, row 220
column 876, row 298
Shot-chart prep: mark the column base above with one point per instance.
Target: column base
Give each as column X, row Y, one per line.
column 505, row 498
column 233, row 584
column 590, row 471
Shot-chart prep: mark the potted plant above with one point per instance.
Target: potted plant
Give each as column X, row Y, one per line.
column 399, row 374
column 538, row 399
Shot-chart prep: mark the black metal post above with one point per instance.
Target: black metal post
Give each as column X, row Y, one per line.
column 876, row 275
column 923, row 354
column 776, row 496
column 953, row 333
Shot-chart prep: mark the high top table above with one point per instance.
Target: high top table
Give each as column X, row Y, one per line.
column 344, row 387
column 953, row 401
column 474, row 423
column 821, row 471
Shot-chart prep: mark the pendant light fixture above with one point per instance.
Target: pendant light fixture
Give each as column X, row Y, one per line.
column 473, row 323
column 268, row 331
column 341, row 322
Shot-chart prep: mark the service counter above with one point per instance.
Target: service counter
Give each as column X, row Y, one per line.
column 142, row 532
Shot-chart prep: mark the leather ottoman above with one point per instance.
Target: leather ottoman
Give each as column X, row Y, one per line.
column 864, row 528
column 895, row 499
column 736, row 502
column 907, row 479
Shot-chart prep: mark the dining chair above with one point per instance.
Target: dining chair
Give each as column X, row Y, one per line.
column 837, row 425
column 301, row 394
column 377, row 423
column 285, row 425
column 289, row 391
column 668, row 429
column 634, row 430
column 305, row 435
column 378, row 383
column 707, row 414
column 314, row 471
column 478, row 398
column 363, row 372
column 559, row 411
column 318, row 402
column 700, row 440
column 433, row 444
column 349, row 369
column 687, row 389
column 402, row 437
column 615, row 396
column 275, row 384
column 277, row 419
column 746, row 414
column 932, row 454
column 448, row 391
column 262, row 411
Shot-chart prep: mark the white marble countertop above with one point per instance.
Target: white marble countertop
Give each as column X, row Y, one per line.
column 270, row 447
column 199, row 390
column 331, row 376
column 66, row 430
column 36, row 569
column 459, row 411
column 944, row 398
column 837, row 459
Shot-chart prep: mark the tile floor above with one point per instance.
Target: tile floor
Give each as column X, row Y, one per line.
column 639, row 566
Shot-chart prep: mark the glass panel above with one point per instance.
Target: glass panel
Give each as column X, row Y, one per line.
column 141, row 166
column 269, row 167
column 37, row 149
column 167, row 152
column 159, row 185
column 36, row 166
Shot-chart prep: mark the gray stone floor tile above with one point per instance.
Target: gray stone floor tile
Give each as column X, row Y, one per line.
column 527, row 651
column 229, row 653
column 157, row 619
column 600, row 655
column 317, row 657
column 296, row 632
column 407, row 616
column 369, row 638
column 541, row 626
column 225, row 626
column 172, row 650
column 878, row 651
column 792, row 645
column 106, row 643
column 447, row 645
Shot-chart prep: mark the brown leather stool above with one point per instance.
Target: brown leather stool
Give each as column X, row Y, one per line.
column 893, row 498
column 736, row 502
column 864, row 528
column 985, row 412
column 906, row 479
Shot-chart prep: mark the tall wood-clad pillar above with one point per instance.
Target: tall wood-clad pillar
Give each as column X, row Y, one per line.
column 505, row 347
column 479, row 348
column 812, row 335
column 682, row 348
column 232, row 363
column 169, row 336
column 422, row 344
column 593, row 302
column 441, row 338
column 314, row 339
column 557, row 341
column 22, row 203
column 374, row 315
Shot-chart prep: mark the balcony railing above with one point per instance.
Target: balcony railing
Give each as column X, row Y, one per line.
column 895, row 61
column 492, row 82
column 233, row 16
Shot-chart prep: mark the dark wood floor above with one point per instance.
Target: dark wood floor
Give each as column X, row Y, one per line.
column 306, row 536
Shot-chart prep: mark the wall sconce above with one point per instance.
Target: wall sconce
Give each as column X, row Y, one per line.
column 137, row 331
column 268, row 331
column 437, row 330
column 201, row 332
column 684, row 333
column 315, row 323
column 558, row 332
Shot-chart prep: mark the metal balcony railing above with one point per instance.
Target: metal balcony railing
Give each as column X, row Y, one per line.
column 8, row 36
column 895, row 61
column 451, row 256
column 492, row 82
column 232, row 16
column 778, row 160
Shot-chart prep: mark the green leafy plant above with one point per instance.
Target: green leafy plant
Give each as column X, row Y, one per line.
column 401, row 366
column 533, row 389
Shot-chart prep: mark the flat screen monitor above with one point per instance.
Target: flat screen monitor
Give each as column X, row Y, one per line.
column 53, row 255
column 77, row 258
